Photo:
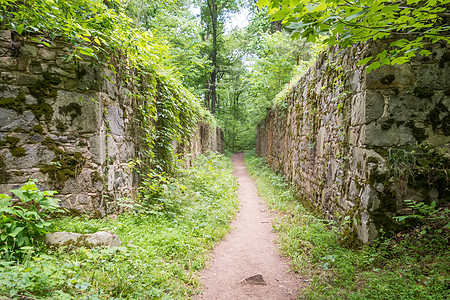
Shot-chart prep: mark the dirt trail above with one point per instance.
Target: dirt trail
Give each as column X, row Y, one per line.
column 248, row 250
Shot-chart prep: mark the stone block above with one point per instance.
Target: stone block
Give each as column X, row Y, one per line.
column 26, row 79
column 374, row 106
column 28, row 50
column 88, row 77
column 10, row 120
column 70, row 84
column 82, row 183
column 115, row 120
column 65, row 64
column 367, row 231
column 76, row 112
column 46, row 54
column 127, row 151
column 358, row 110
column 406, row 107
column 97, row 147
column 23, row 63
column 397, row 76
column 431, row 77
column 396, row 135
column 8, row 63
column 36, row 156
column 37, row 67
column 110, row 84
column 9, row 91
column 98, row 239
column 62, row 73
column 5, row 36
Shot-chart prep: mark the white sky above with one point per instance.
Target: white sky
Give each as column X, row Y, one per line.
column 236, row 20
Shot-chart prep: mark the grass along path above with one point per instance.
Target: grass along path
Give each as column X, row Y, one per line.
column 412, row 265
column 161, row 252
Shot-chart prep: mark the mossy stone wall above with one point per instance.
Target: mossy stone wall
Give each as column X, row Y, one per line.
column 71, row 126
column 335, row 134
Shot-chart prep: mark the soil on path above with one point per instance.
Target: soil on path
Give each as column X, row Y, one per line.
column 249, row 250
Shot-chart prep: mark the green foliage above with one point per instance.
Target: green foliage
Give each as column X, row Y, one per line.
column 21, row 223
column 411, row 23
column 420, row 210
column 105, row 33
column 161, row 252
column 411, row 265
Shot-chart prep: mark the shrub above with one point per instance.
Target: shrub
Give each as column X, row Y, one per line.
column 25, row 218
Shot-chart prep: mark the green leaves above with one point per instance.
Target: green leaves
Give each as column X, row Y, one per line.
column 20, row 224
column 20, row 28
column 350, row 22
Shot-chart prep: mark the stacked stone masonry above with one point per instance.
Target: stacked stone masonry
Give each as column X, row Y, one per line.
column 338, row 126
column 70, row 126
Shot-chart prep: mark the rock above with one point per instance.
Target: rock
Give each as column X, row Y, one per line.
column 115, row 120
column 7, row 63
column 46, row 54
column 76, row 112
column 98, row 239
column 255, row 280
column 5, row 35
column 397, row 76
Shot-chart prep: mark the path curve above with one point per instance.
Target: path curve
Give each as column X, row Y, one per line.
column 248, row 250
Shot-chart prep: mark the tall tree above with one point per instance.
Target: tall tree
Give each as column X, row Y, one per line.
column 213, row 15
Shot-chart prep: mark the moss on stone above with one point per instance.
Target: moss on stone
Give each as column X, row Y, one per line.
column 439, row 118
column 60, row 126
column 18, row 151
column 72, row 109
column 387, row 79
column 418, row 133
column 16, row 104
column 12, row 143
column 38, row 129
column 423, row 92
column 386, row 125
column 42, row 109
column 41, row 90
column 64, row 166
column 12, row 140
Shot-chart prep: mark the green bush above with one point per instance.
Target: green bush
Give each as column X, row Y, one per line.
column 25, row 218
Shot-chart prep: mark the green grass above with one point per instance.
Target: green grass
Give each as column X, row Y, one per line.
column 410, row 265
column 161, row 251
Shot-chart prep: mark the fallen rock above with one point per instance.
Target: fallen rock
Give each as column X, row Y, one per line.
column 255, row 280
column 98, row 239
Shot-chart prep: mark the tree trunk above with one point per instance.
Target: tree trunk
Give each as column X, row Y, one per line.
column 212, row 85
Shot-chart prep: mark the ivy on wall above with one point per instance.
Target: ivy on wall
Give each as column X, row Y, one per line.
column 101, row 32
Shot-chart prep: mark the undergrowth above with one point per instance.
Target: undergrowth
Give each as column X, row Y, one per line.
column 161, row 252
column 411, row 265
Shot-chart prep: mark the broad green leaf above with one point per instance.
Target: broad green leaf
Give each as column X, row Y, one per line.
column 16, row 231
column 20, row 28
column 364, row 61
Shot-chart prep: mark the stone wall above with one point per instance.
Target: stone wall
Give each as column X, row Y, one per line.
column 71, row 126
column 342, row 137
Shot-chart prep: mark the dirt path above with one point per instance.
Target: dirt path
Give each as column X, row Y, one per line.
column 248, row 250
